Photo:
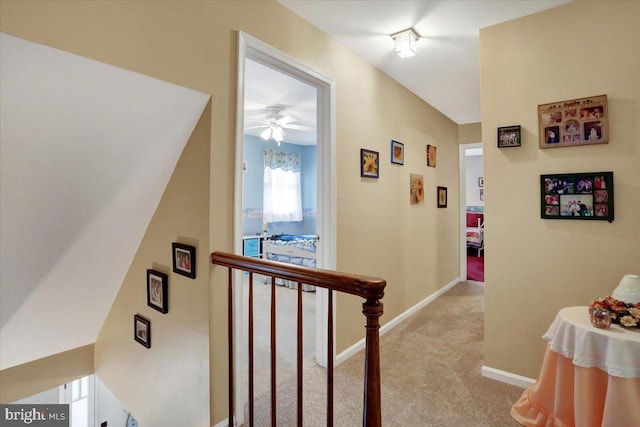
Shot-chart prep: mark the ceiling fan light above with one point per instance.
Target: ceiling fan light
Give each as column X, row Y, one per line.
column 266, row 134
column 278, row 134
column 406, row 43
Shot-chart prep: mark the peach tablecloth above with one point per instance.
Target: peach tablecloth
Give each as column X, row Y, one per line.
column 568, row 395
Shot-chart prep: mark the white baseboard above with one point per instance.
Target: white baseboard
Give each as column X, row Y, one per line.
column 507, row 377
column 346, row 354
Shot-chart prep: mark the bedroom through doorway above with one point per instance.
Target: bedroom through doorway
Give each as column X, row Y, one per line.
column 284, row 202
column 279, row 196
column 474, row 212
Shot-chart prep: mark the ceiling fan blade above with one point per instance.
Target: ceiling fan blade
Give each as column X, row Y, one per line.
column 286, row 120
column 256, row 127
column 300, row 127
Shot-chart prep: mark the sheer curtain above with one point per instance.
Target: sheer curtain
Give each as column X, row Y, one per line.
column 282, row 196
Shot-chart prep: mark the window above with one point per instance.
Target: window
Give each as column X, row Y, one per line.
column 282, row 196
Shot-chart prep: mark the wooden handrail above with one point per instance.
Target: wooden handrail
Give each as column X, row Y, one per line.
column 364, row 286
column 369, row 288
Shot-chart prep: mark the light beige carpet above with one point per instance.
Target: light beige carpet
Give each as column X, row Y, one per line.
column 430, row 367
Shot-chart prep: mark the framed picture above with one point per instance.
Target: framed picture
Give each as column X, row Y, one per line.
column 481, row 181
column 442, row 197
column 582, row 121
column 509, row 136
column 397, row 152
column 142, row 330
column 369, row 163
column 586, row 196
column 157, row 291
column 432, row 150
column 184, row 260
column 416, row 189
column 482, row 194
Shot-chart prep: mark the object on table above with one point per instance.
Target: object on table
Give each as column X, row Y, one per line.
column 624, row 303
column 600, row 317
column 628, row 291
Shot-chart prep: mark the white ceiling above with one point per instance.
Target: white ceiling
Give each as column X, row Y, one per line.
column 86, row 152
column 265, row 87
column 446, row 72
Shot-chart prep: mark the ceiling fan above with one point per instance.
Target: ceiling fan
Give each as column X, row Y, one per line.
column 274, row 124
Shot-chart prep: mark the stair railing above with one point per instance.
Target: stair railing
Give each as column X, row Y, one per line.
column 369, row 288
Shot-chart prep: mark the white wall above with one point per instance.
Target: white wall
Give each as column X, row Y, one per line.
column 50, row 396
column 108, row 407
column 474, row 171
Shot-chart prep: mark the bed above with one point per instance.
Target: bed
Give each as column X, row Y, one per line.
column 475, row 231
column 292, row 249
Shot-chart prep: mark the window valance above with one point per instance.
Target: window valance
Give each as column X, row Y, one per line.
column 281, row 160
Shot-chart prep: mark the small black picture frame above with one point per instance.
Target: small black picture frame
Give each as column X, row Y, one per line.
column 369, row 163
column 582, row 196
column 142, row 330
column 509, row 136
column 184, row 259
column 442, row 197
column 157, row 291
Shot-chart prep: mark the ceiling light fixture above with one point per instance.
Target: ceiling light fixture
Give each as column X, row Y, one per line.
column 274, row 132
column 406, row 42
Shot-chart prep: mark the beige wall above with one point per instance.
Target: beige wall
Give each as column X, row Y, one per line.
column 470, row 133
column 194, row 44
column 173, row 373
column 30, row 378
column 379, row 232
column 535, row 267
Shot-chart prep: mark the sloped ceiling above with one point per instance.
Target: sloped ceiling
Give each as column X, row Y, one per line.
column 87, row 150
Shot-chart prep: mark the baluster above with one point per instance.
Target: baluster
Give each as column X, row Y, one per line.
column 251, row 349
column 330, row 359
column 300, row 350
column 273, row 352
column 230, row 322
column 372, row 415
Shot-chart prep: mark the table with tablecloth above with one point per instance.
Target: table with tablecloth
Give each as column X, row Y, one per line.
column 589, row 376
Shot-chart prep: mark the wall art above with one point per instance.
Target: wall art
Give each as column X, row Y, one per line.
column 184, row 260
column 509, row 136
column 416, row 189
column 582, row 121
column 142, row 330
column 397, row 152
column 158, row 291
column 442, row 197
column 586, row 196
column 369, row 163
column 432, row 151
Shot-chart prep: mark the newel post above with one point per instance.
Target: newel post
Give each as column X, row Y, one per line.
column 372, row 417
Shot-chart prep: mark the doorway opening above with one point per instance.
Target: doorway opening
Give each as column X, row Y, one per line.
column 472, row 220
column 284, row 143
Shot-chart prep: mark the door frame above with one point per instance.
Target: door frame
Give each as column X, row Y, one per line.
column 251, row 47
column 462, row 158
